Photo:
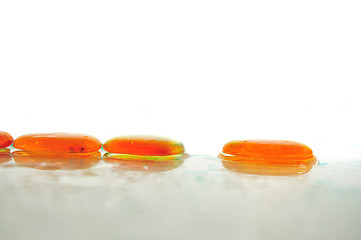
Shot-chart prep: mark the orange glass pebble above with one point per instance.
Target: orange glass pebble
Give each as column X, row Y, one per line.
column 144, row 145
column 276, row 151
column 5, row 139
column 57, row 143
column 268, row 157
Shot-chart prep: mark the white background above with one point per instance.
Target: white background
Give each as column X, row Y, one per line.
column 203, row 72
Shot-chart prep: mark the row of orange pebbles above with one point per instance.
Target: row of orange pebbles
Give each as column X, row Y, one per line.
column 267, row 157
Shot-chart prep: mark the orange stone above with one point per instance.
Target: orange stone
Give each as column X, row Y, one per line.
column 5, row 139
column 56, row 161
column 57, row 143
column 270, row 151
column 144, row 145
column 145, row 163
column 267, row 157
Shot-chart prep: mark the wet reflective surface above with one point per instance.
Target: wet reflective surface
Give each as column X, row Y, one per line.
column 198, row 199
column 268, row 169
column 145, row 163
column 271, row 167
column 57, row 161
column 5, row 155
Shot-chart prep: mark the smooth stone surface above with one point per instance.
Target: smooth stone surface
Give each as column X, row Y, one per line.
column 271, row 151
column 144, row 145
column 5, row 139
column 57, row 161
column 57, row 143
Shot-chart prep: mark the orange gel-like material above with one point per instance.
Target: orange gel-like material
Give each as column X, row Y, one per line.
column 57, row 161
column 5, row 139
column 57, row 143
column 144, row 145
column 267, row 157
column 270, row 151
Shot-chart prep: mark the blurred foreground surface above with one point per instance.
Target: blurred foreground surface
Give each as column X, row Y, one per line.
column 194, row 199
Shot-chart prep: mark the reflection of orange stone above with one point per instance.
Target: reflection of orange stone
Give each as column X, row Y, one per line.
column 266, row 168
column 5, row 155
column 5, row 139
column 57, row 143
column 57, row 161
column 267, row 157
column 144, row 145
column 144, row 163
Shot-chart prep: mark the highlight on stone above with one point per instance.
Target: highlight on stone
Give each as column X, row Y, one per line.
column 57, row 143
column 5, row 139
column 267, row 157
column 144, row 146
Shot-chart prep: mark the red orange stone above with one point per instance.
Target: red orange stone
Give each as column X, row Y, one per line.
column 56, row 161
column 57, row 143
column 144, row 145
column 5, row 139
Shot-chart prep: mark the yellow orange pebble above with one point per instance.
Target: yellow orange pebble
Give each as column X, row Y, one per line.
column 5, row 139
column 145, row 163
column 144, row 145
column 57, row 143
column 55, row 161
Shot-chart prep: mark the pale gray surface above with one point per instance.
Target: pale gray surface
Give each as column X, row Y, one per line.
column 198, row 200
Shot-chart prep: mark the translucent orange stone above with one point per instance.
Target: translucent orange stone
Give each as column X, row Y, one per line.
column 57, row 143
column 276, row 151
column 144, row 145
column 145, row 163
column 267, row 157
column 5, row 139
column 57, row 161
